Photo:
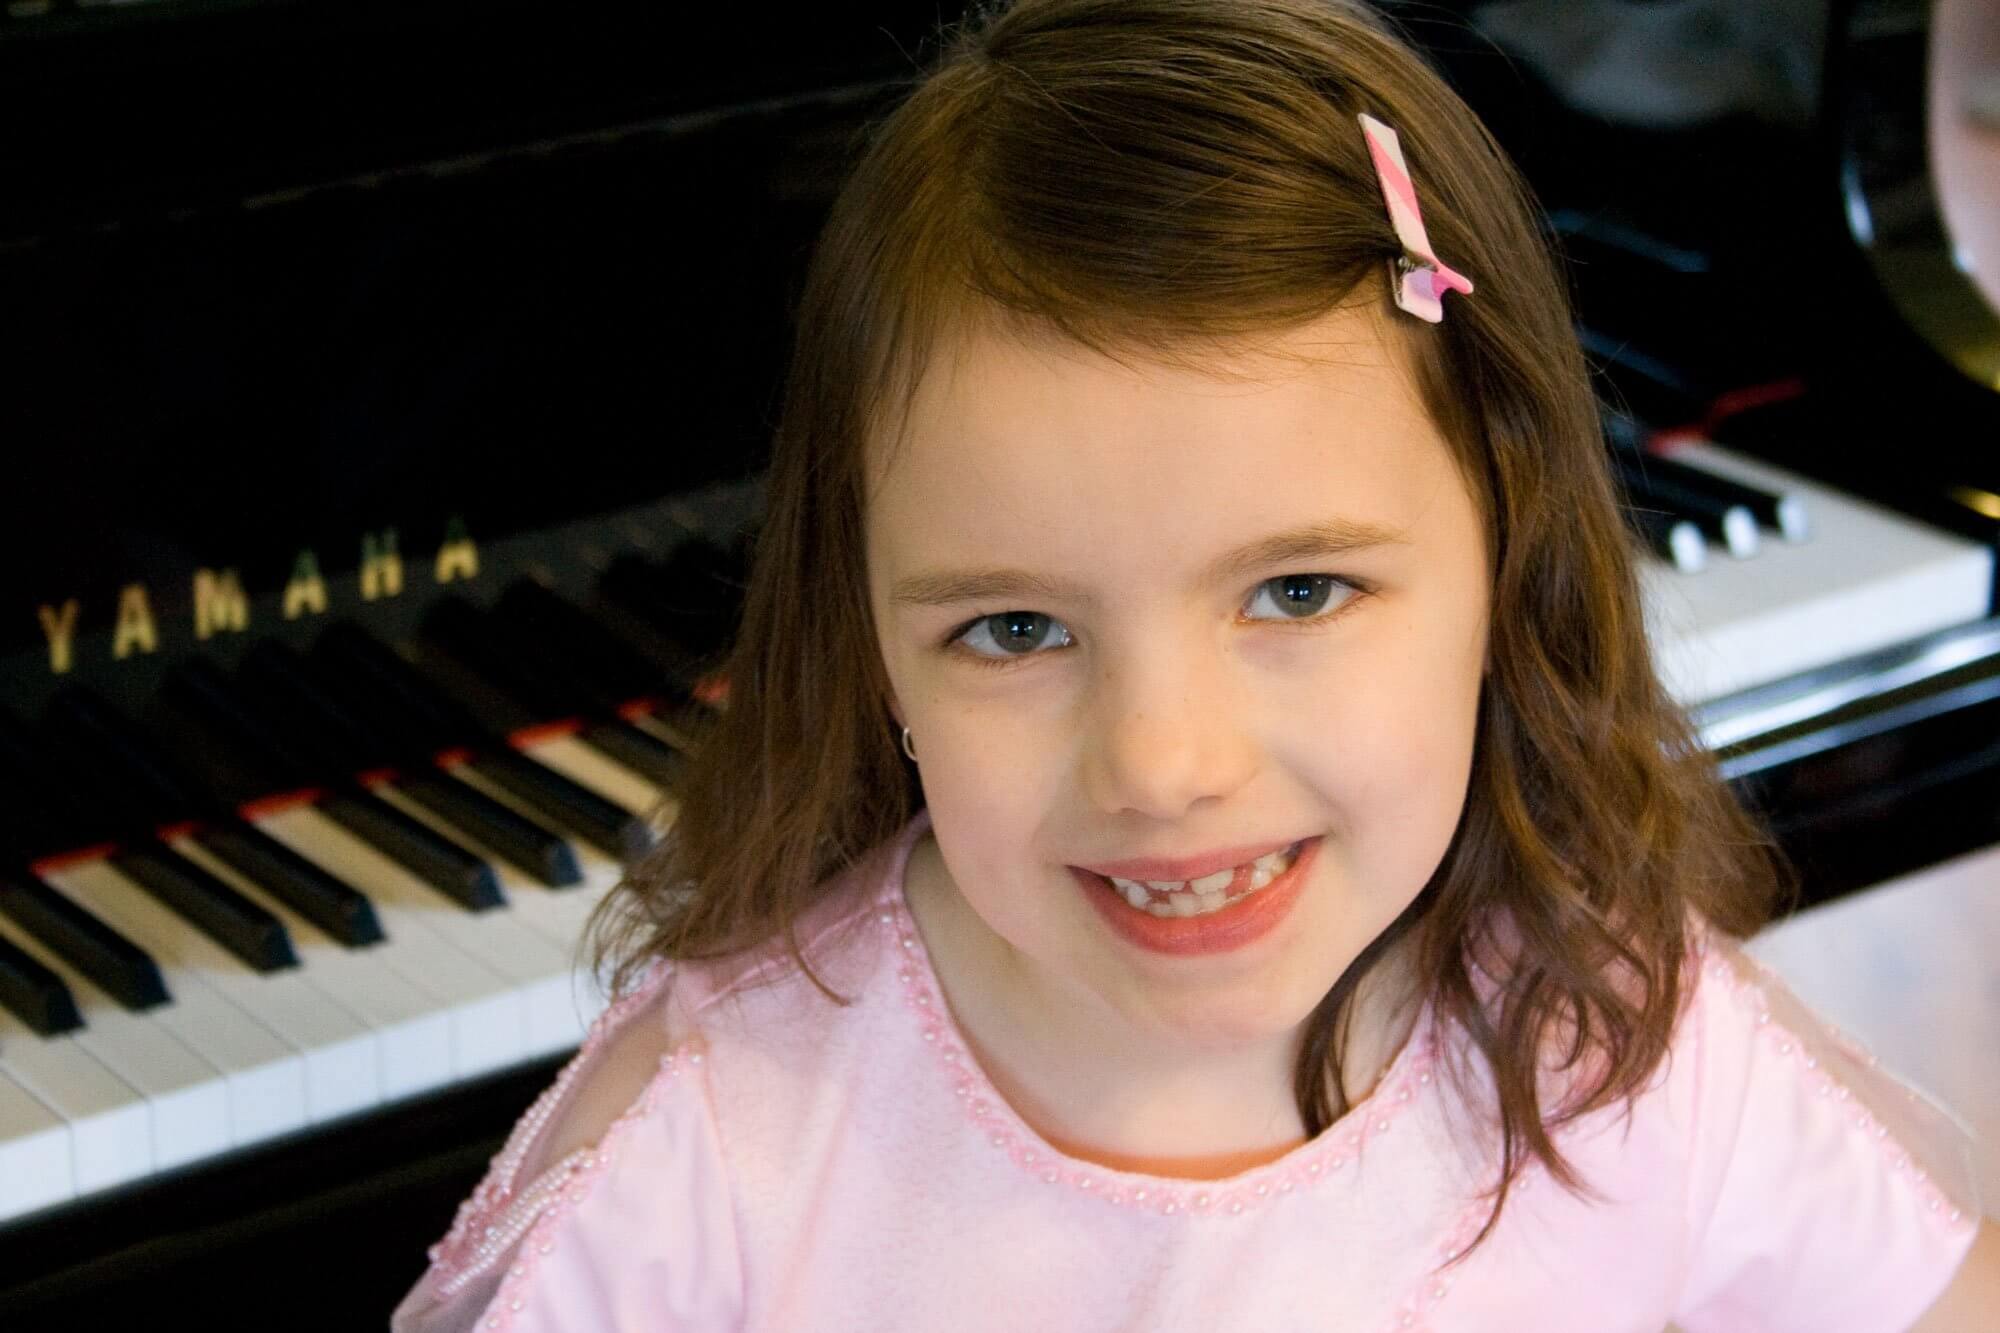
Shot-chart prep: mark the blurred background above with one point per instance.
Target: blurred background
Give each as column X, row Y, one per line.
column 385, row 393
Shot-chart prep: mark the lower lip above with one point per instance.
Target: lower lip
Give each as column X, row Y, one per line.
column 1248, row 917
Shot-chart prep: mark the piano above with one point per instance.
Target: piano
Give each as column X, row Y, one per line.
column 386, row 401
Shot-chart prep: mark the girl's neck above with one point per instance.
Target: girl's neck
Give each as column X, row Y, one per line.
column 1196, row 1124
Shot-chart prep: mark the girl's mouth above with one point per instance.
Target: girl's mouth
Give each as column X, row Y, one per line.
column 1208, row 915
column 1209, row 894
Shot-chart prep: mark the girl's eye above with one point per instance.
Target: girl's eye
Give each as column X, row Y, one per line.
column 1011, row 636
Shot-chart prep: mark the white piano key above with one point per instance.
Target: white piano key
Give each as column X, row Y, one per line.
column 515, row 942
column 111, row 1134
column 412, row 1038
column 35, row 1169
column 266, row 1079
column 336, row 1053
column 187, row 1095
column 1867, row 578
column 583, row 763
column 564, row 912
column 557, row 915
column 483, row 1003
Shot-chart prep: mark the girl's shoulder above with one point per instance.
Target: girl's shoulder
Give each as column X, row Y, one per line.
column 678, row 1010
column 1817, row 1179
column 1769, row 1172
column 631, row 1111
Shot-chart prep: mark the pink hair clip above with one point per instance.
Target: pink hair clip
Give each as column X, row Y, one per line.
column 1418, row 279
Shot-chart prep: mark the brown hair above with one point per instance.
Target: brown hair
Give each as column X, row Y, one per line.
column 1164, row 176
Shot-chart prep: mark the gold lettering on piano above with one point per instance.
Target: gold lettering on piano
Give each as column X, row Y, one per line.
column 136, row 631
column 307, row 590
column 381, row 567
column 60, row 627
column 219, row 603
column 458, row 557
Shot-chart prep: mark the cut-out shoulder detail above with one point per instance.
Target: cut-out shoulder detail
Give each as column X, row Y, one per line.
column 625, row 1062
column 1827, row 1193
column 1915, row 1135
column 552, row 1142
column 652, row 1029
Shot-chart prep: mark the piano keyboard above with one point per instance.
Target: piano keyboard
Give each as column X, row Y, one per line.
column 1864, row 578
column 461, row 985
column 238, row 1057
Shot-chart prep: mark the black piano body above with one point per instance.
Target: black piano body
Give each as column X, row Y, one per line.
column 497, row 295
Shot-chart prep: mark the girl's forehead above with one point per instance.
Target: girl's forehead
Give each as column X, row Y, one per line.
column 1044, row 419
column 975, row 355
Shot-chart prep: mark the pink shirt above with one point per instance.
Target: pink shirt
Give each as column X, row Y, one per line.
column 795, row 1165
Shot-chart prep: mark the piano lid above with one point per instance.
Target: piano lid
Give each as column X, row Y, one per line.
column 110, row 112
column 291, row 286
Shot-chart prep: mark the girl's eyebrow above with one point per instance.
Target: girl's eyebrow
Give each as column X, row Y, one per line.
column 1328, row 538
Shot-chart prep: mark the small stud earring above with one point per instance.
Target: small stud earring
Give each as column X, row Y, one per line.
column 906, row 745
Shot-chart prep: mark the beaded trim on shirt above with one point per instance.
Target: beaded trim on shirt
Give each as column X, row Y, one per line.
column 540, row 1242
column 1323, row 1158
column 1431, row 1289
column 497, row 1213
column 1788, row 1045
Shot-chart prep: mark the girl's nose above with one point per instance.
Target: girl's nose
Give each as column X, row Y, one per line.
column 1164, row 736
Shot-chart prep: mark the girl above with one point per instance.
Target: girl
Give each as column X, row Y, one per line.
column 1195, row 840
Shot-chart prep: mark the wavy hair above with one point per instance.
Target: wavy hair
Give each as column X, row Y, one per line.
column 1164, row 177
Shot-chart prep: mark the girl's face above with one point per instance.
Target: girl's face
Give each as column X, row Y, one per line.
column 1118, row 619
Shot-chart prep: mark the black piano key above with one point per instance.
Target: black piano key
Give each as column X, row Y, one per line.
column 631, row 599
column 88, row 736
column 1671, row 538
column 312, row 713
column 172, row 798
column 494, row 825
column 371, row 678
column 642, row 752
column 337, row 908
column 606, row 668
column 693, row 597
column 46, row 818
column 1653, row 388
column 197, row 709
column 1780, row 511
column 123, row 970
column 34, row 994
column 565, row 804
column 309, row 718
column 247, row 929
column 459, row 639
column 439, row 862
column 496, row 710
column 205, row 902
column 226, row 708
column 44, row 814
column 570, row 805
column 491, row 656
column 1721, row 521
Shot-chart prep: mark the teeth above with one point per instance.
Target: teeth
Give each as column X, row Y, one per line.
column 1201, row 896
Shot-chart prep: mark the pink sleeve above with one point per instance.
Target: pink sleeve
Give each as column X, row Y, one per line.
column 634, row 1232
column 1826, row 1195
